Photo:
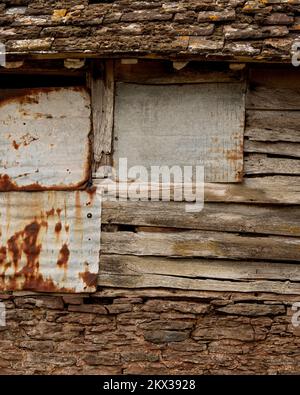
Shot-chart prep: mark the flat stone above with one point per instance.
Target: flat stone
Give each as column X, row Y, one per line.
column 202, row 44
column 145, row 15
column 164, row 336
column 39, row 44
column 212, row 16
column 252, row 310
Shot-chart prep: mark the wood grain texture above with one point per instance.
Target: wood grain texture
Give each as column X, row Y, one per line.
column 222, row 217
column 162, row 73
column 196, row 295
column 203, row 275
column 269, row 98
column 269, row 189
column 204, row 244
column 272, row 126
column 102, row 90
column 199, row 268
column 263, row 164
column 274, row 148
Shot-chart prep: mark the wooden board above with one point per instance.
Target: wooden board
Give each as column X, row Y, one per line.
column 263, row 164
column 267, row 189
column 273, row 148
column 215, row 216
column 273, row 99
column 202, row 244
column 201, row 275
column 102, row 92
column 273, row 126
column 199, row 268
column 181, row 125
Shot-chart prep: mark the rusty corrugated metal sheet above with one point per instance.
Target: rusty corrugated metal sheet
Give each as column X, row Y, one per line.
column 44, row 139
column 49, row 241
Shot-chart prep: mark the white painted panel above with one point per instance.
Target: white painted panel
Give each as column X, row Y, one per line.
column 194, row 124
column 44, row 139
column 49, row 241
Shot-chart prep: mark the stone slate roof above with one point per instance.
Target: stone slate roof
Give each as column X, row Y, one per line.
column 211, row 29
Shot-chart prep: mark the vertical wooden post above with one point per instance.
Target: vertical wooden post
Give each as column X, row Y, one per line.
column 102, row 101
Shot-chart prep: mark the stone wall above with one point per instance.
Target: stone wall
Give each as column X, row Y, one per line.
column 210, row 28
column 187, row 333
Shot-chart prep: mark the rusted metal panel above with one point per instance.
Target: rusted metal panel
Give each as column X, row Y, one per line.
column 44, row 138
column 182, row 125
column 49, row 241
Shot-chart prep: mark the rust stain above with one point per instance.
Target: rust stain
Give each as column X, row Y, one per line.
column 14, row 246
column 50, row 212
column 91, row 192
column 2, row 255
column 58, row 227
column 23, row 254
column 15, row 145
column 78, row 209
column 27, row 139
column 24, row 140
column 233, row 155
column 8, row 185
column 90, row 279
column 29, row 95
column 64, row 255
column 29, row 277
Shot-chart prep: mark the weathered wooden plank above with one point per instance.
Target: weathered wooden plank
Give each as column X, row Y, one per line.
column 150, row 129
column 102, row 90
column 262, row 164
column 204, row 244
column 139, row 272
column 199, row 268
column 277, row 76
column 273, row 126
column 187, row 284
column 274, row 148
column 151, row 72
column 268, row 189
column 215, row 216
column 270, row 98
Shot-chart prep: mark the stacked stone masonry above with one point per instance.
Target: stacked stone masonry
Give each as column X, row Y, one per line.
column 211, row 333
column 221, row 29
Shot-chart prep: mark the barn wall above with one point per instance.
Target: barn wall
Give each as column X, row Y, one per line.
column 181, row 292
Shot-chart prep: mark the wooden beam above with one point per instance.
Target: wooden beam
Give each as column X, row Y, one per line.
column 102, row 91
column 160, row 73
